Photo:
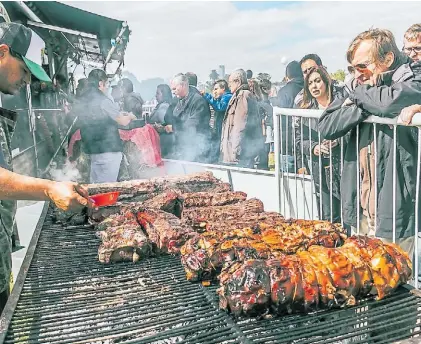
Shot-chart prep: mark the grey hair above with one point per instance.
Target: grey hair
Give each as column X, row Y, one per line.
column 240, row 75
column 180, row 78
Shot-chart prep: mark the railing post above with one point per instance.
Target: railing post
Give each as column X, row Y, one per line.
column 277, row 162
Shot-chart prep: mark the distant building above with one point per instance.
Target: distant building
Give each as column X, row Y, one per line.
column 221, row 71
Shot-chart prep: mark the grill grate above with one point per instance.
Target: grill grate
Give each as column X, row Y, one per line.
column 67, row 296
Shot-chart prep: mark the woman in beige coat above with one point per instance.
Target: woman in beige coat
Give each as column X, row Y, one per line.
column 241, row 130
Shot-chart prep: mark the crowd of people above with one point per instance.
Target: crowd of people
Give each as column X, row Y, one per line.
column 234, row 125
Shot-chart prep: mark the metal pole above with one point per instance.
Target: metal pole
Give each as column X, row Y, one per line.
column 394, row 184
column 320, row 180
column 58, row 149
column 28, row 12
column 331, row 181
column 50, row 59
column 117, row 41
column 32, row 125
column 342, row 171
column 358, row 180
column 302, row 164
column 417, row 210
column 375, row 175
column 311, row 170
column 280, row 164
column 277, row 164
column 295, row 166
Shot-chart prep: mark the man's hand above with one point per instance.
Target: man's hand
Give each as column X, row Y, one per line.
column 168, row 128
column 347, row 102
column 408, row 113
column 68, row 196
column 302, row 170
column 319, row 149
column 125, row 118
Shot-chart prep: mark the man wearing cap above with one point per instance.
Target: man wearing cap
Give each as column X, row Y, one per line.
column 15, row 73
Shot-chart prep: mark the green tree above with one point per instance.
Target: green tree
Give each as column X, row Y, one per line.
column 339, row 75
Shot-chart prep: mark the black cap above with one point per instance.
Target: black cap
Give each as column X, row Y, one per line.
column 16, row 36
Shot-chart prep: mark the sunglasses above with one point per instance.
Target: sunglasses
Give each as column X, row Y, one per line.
column 362, row 66
column 416, row 50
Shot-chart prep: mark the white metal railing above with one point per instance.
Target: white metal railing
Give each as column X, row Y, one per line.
column 285, row 182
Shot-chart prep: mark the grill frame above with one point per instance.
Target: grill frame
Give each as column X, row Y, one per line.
column 9, row 309
column 241, row 330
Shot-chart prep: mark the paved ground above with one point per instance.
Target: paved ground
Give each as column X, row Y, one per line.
column 27, row 217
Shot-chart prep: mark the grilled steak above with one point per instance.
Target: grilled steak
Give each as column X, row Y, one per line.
column 197, row 217
column 126, row 242
column 314, row 279
column 207, row 199
column 204, row 256
column 169, row 201
column 164, row 230
column 189, row 183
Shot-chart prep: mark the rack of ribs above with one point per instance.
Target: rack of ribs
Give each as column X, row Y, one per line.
column 204, row 181
column 320, row 278
column 205, row 255
column 199, row 216
column 211, row 199
column 166, row 231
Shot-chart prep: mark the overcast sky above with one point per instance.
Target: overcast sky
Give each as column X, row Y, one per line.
column 172, row 37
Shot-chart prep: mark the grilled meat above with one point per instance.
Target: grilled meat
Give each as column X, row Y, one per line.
column 170, row 201
column 208, row 199
column 318, row 278
column 70, row 218
column 204, row 256
column 189, row 183
column 164, row 230
column 198, row 217
column 123, row 243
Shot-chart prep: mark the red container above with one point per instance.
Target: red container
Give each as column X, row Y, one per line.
column 102, row 200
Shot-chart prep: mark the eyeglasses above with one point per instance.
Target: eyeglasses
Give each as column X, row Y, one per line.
column 362, row 66
column 409, row 50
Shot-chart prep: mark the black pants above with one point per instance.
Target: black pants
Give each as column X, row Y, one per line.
column 4, row 296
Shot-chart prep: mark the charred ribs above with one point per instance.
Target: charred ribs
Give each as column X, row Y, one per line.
column 122, row 239
column 204, row 256
column 170, row 201
column 198, row 217
column 143, row 188
column 314, row 279
column 211, row 199
column 164, row 230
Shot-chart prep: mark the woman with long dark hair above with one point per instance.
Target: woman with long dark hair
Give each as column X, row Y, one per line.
column 99, row 129
column 157, row 118
column 319, row 93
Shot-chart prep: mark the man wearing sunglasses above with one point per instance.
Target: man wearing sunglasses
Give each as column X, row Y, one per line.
column 412, row 48
column 387, row 83
column 15, row 73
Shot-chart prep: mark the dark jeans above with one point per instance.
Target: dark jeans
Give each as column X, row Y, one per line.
column 4, row 296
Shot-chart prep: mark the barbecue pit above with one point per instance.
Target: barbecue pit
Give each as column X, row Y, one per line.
column 63, row 294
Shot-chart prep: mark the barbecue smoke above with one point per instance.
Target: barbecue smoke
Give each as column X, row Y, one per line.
column 68, row 173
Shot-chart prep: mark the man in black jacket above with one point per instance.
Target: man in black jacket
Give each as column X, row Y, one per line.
column 190, row 121
column 387, row 84
column 286, row 96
